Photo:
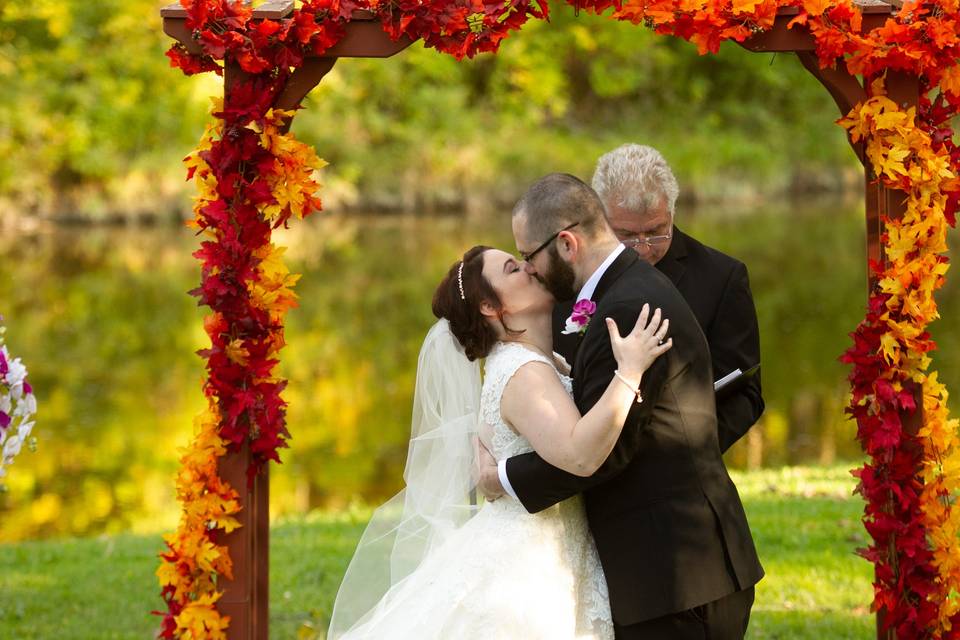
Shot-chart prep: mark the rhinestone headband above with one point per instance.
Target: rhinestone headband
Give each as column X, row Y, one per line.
column 460, row 280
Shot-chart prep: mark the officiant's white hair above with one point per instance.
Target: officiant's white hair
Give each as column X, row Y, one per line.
column 636, row 177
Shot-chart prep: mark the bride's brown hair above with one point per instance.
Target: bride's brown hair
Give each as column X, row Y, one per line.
column 461, row 307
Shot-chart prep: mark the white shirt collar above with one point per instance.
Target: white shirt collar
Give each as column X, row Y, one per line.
column 586, row 292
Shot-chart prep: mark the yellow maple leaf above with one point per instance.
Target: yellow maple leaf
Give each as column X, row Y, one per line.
column 167, row 573
column 227, row 523
column 890, row 348
column 237, row 353
column 207, row 554
column 950, row 81
column 200, row 619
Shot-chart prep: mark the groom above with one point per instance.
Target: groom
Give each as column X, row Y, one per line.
column 668, row 523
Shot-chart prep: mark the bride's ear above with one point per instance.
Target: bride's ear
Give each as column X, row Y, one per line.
column 488, row 310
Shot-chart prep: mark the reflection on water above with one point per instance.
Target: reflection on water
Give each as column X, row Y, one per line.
column 103, row 320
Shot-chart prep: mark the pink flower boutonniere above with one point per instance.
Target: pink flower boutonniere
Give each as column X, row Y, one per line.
column 580, row 317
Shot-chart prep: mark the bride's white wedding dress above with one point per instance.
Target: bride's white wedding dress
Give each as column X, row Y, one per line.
column 504, row 574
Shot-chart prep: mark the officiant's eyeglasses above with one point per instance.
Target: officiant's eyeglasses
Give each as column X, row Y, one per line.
column 527, row 257
column 645, row 242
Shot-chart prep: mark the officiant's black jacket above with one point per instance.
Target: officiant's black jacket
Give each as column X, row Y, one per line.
column 717, row 289
column 668, row 522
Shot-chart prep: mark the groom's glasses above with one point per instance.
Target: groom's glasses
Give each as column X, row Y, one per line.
column 527, row 257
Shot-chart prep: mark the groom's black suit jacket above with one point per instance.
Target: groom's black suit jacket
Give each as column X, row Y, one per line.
column 667, row 519
column 717, row 288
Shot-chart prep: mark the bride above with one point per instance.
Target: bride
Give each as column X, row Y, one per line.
column 432, row 565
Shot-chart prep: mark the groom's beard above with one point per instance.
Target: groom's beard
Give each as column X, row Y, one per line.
column 559, row 278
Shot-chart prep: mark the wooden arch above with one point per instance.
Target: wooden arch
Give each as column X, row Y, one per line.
column 245, row 597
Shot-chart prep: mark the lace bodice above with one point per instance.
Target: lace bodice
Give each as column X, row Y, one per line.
column 578, row 550
column 504, row 360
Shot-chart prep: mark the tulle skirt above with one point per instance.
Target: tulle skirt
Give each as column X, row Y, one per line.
column 504, row 574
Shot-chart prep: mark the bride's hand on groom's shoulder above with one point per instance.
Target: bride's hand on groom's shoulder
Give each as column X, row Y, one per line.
column 485, row 470
column 636, row 351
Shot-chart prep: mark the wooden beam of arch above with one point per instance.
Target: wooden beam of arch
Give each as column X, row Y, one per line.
column 364, row 38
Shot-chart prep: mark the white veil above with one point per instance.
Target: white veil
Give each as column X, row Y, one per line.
column 439, row 477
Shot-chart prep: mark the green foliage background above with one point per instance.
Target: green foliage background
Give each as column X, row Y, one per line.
column 92, row 118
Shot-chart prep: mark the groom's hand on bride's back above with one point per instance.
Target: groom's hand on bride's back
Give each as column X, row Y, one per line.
column 488, row 479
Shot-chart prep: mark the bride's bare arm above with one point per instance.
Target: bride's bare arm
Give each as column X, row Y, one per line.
column 538, row 407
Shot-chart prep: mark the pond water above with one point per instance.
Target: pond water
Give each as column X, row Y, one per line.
column 102, row 319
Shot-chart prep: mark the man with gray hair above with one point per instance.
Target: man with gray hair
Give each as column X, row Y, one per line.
column 639, row 192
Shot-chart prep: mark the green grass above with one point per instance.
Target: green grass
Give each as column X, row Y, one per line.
column 804, row 520
column 806, row 525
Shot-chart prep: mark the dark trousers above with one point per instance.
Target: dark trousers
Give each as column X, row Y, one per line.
column 723, row 619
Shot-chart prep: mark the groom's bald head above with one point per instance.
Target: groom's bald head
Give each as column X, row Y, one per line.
column 556, row 201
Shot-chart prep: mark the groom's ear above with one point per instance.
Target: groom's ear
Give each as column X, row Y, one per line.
column 568, row 245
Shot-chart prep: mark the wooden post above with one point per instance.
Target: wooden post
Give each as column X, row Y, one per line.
column 246, row 597
column 891, row 204
column 881, row 201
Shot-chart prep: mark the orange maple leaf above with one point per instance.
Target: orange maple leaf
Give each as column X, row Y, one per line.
column 744, row 6
column 950, row 81
column 816, row 7
column 801, row 19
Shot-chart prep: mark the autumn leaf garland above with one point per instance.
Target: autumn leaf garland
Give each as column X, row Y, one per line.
column 912, row 518
column 252, row 178
column 226, row 28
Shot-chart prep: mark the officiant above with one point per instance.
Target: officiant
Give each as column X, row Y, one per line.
column 640, row 192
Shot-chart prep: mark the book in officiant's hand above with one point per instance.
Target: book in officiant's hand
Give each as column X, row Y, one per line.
column 734, row 378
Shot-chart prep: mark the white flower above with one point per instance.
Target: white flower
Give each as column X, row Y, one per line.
column 11, row 448
column 16, row 375
column 579, row 318
column 572, row 327
column 17, row 404
column 26, row 407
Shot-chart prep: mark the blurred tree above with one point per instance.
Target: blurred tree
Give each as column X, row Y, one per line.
column 91, row 113
column 92, row 120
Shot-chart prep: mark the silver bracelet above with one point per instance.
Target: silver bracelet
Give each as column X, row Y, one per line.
column 636, row 391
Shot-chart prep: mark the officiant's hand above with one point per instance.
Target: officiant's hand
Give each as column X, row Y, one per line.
column 488, row 480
